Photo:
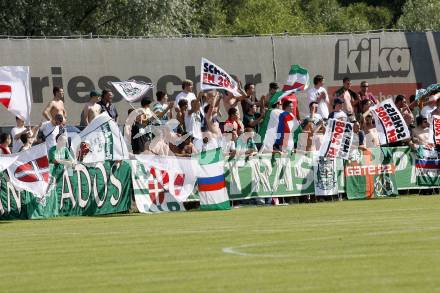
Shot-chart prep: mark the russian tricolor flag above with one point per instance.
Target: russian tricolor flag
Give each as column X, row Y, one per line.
column 211, row 181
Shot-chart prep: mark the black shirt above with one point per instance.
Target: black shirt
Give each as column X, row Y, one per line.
column 111, row 110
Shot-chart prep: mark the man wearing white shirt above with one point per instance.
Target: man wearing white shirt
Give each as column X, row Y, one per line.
column 186, row 94
column 338, row 113
column 51, row 129
column 427, row 109
column 193, row 121
column 319, row 94
column 16, row 132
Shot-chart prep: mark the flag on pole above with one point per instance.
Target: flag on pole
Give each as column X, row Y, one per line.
column 132, row 90
column 14, row 91
column 297, row 81
column 30, row 171
column 214, row 77
column 211, row 181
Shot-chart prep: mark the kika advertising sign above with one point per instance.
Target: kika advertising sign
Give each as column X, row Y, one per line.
column 434, row 130
column 214, row 77
column 389, row 122
column 337, row 140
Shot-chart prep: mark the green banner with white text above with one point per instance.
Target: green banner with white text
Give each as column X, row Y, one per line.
column 104, row 188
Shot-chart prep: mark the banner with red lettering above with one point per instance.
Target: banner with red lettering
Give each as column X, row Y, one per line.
column 390, row 124
column 434, row 130
column 214, row 77
column 337, row 140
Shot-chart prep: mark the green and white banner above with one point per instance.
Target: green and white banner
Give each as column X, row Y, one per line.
column 106, row 188
column 81, row 191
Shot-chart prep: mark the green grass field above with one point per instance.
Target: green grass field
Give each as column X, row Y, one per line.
column 390, row 245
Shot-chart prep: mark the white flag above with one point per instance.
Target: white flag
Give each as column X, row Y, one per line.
column 14, row 90
column 101, row 140
column 132, row 90
column 214, row 77
column 30, row 171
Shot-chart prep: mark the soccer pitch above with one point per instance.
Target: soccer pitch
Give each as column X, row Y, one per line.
column 389, row 245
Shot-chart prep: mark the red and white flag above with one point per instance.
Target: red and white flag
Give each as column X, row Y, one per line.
column 14, row 91
column 30, row 171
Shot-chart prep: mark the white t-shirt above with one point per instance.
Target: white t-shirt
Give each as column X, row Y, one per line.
column 186, row 96
column 426, row 111
column 17, row 143
column 338, row 115
column 312, row 96
column 193, row 124
column 50, row 133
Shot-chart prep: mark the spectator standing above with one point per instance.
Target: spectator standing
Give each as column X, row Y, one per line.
column 338, row 113
column 162, row 107
column 252, row 119
column 50, row 130
column 414, row 105
column 16, row 133
column 56, row 106
column 250, row 98
column 420, row 134
column 402, row 105
column 180, row 116
column 27, row 139
column 193, row 120
column 350, row 98
column 436, row 111
column 358, row 136
column 186, row 93
column 107, row 106
column 5, row 141
column 273, row 88
column 370, row 130
column 364, row 94
column 91, row 109
column 314, row 116
column 232, row 131
column 429, row 107
column 319, row 94
column 139, row 140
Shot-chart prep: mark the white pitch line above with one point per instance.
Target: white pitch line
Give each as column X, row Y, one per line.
column 234, row 249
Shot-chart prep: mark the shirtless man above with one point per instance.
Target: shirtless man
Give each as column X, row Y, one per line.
column 91, row 109
column 56, row 106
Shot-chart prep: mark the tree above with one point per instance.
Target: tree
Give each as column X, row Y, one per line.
column 108, row 17
column 420, row 15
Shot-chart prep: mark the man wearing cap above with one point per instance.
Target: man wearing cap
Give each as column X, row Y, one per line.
column 91, row 109
column 338, row 113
